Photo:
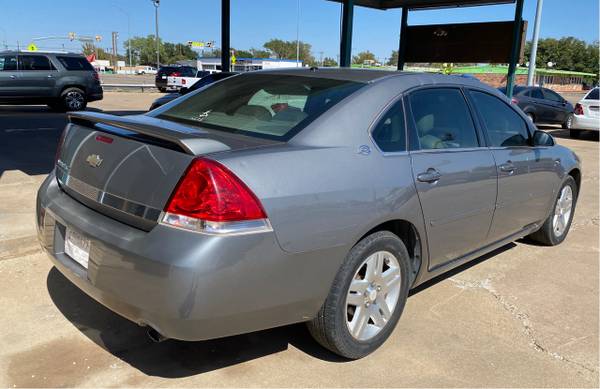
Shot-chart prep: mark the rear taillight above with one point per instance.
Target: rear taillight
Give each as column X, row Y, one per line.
column 96, row 76
column 514, row 101
column 210, row 198
column 578, row 109
column 175, row 74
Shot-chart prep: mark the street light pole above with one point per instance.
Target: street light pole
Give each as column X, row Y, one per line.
column 156, row 3
column 128, row 31
column 534, row 43
column 298, row 36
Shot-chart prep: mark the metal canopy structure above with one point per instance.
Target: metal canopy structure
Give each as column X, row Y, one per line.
column 406, row 6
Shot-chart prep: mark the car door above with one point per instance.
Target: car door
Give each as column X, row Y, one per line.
column 558, row 106
column 37, row 76
column 543, row 111
column 526, row 175
column 8, row 77
column 454, row 173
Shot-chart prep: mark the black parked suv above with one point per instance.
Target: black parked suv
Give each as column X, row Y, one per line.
column 543, row 105
column 172, row 70
column 65, row 82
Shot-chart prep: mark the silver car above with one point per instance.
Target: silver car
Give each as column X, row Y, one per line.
column 319, row 196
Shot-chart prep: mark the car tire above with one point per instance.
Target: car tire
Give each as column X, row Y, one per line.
column 552, row 231
column 568, row 122
column 73, row 99
column 370, row 327
column 575, row 134
column 162, row 90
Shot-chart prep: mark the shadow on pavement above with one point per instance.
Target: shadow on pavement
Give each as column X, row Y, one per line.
column 175, row 359
column 171, row 358
column 29, row 136
column 564, row 134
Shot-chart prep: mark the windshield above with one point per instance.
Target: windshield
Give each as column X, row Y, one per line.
column 263, row 105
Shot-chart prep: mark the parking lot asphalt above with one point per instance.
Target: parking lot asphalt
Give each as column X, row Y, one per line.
column 523, row 316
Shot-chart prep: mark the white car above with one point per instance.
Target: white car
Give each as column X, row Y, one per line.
column 145, row 70
column 587, row 113
column 178, row 82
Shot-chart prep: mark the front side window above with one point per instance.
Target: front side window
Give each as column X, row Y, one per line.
column 389, row 132
column 537, row 94
column 35, row 62
column 75, row 63
column 8, row 63
column 262, row 105
column 442, row 119
column 504, row 126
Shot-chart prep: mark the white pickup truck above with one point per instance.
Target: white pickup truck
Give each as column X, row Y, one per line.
column 186, row 82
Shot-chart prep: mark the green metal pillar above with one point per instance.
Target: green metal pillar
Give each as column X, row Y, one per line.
column 402, row 43
column 225, row 35
column 346, row 38
column 516, row 49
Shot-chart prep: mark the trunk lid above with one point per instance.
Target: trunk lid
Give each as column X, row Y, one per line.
column 127, row 167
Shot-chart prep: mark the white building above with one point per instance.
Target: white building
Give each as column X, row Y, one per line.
column 248, row 64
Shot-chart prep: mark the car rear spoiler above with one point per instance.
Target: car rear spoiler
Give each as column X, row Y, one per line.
column 170, row 135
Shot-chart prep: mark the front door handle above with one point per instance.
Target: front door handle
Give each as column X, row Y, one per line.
column 431, row 175
column 507, row 167
column 12, row 76
column 50, row 76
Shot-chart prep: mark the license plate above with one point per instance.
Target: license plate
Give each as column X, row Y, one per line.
column 163, row 77
column 77, row 247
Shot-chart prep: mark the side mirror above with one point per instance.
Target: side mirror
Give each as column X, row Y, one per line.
column 541, row 138
column 183, row 90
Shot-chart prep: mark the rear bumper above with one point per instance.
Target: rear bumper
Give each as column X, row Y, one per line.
column 581, row 122
column 186, row 285
column 96, row 93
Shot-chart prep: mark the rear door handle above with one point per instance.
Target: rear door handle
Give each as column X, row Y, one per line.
column 50, row 76
column 507, row 167
column 431, row 175
column 12, row 76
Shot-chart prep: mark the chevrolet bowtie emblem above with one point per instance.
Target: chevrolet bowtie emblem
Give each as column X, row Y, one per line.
column 94, row 160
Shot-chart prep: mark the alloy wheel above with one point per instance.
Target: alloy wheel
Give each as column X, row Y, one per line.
column 562, row 211
column 74, row 100
column 373, row 295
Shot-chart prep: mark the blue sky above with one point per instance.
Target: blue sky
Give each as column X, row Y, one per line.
column 256, row 21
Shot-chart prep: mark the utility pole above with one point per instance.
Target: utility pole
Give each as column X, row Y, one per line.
column 298, row 36
column 534, row 43
column 156, row 4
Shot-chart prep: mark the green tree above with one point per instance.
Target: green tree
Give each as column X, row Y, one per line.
column 393, row 60
column 287, row 50
column 329, row 62
column 144, row 51
column 567, row 53
column 363, row 56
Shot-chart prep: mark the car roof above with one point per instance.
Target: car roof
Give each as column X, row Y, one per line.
column 13, row 52
column 346, row 74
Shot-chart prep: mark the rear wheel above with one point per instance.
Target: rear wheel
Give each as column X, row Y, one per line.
column 73, row 99
column 366, row 299
column 556, row 227
column 568, row 122
column 163, row 90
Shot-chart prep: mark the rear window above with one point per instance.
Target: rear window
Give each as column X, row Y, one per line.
column 262, row 105
column 75, row 63
column 593, row 95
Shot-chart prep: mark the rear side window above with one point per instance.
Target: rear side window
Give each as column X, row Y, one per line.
column 504, row 126
column 537, row 93
column 553, row 96
column 8, row 63
column 262, row 105
column 75, row 63
column 442, row 119
column 35, row 62
column 593, row 95
column 389, row 133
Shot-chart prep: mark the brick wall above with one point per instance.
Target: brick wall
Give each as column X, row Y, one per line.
column 498, row 80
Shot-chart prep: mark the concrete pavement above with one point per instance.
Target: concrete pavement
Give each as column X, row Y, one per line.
column 524, row 316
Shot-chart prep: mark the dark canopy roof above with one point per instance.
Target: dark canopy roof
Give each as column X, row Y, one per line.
column 424, row 4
